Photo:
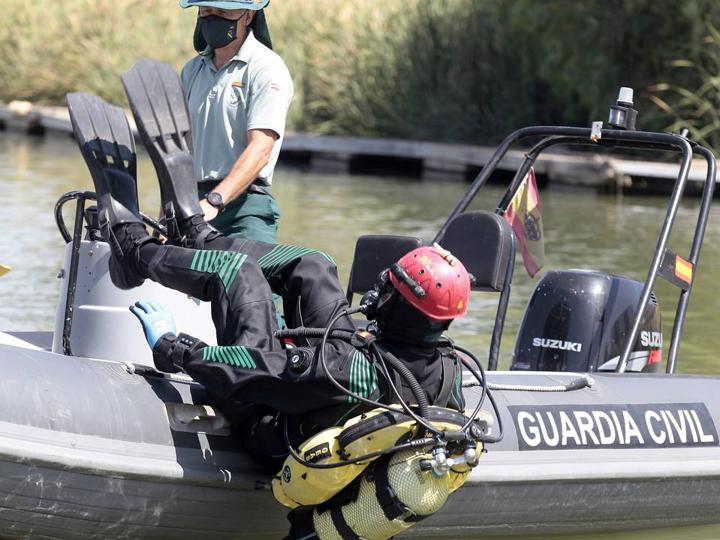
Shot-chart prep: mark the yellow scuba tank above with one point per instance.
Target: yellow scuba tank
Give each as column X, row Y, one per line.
column 420, row 491
column 300, row 485
column 393, row 495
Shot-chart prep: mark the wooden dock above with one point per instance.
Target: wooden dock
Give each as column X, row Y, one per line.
column 436, row 161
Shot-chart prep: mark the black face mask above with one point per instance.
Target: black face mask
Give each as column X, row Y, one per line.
column 215, row 31
column 403, row 324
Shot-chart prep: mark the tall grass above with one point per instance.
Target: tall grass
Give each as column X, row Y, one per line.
column 462, row 70
column 50, row 47
column 696, row 106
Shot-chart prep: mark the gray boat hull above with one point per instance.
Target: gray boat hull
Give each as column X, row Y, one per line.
column 89, row 449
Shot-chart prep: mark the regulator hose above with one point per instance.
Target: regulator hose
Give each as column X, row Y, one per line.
column 405, row 373
column 326, row 370
column 345, row 335
column 303, row 332
column 408, row 410
column 479, row 374
column 394, row 361
column 382, row 357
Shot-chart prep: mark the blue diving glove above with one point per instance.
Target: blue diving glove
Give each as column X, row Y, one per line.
column 156, row 320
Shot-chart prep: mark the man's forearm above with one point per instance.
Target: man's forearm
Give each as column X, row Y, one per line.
column 247, row 167
column 243, row 173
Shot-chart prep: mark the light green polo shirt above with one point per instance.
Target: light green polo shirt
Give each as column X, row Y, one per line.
column 251, row 91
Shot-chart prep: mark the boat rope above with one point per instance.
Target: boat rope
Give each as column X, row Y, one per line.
column 584, row 381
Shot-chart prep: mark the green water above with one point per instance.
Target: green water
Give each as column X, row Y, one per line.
column 329, row 212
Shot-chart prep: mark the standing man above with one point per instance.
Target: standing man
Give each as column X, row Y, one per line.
column 238, row 92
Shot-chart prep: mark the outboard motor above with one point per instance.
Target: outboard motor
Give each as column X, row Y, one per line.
column 578, row 320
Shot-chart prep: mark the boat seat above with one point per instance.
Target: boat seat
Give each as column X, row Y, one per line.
column 373, row 254
column 485, row 243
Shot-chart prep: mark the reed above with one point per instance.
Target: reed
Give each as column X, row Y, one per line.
column 695, row 105
column 50, row 47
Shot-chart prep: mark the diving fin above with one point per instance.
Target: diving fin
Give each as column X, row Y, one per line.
column 108, row 147
column 158, row 104
column 117, row 207
column 104, row 137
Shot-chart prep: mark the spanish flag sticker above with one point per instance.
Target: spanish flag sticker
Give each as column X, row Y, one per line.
column 683, row 269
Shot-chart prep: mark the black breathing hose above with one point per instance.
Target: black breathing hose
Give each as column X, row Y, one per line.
column 408, row 411
column 334, row 382
column 339, row 333
column 326, row 370
column 485, row 392
column 403, row 371
column 479, row 374
column 302, row 332
column 344, row 335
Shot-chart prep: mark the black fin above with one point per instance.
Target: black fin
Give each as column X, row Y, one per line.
column 161, row 114
column 107, row 144
column 104, row 137
column 121, row 200
column 119, row 206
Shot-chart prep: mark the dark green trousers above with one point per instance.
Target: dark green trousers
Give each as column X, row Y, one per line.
column 252, row 216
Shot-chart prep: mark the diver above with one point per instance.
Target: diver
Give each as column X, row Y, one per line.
column 414, row 302
column 278, row 396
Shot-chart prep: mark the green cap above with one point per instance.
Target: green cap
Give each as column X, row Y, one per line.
column 226, row 4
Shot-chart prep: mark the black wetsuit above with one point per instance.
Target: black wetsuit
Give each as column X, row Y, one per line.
column 250, row 366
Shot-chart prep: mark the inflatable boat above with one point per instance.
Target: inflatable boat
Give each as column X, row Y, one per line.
column 97, row 444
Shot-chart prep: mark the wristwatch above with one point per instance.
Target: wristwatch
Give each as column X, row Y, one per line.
column 215, row 200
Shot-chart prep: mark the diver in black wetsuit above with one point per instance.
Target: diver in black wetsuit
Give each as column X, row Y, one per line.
column 250, row 365
column 413, row 302
column 277, row 396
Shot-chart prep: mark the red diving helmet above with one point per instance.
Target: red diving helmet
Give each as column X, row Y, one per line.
column 432, row 280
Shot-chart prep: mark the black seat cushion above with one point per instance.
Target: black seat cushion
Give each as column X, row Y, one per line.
column 483, row 242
